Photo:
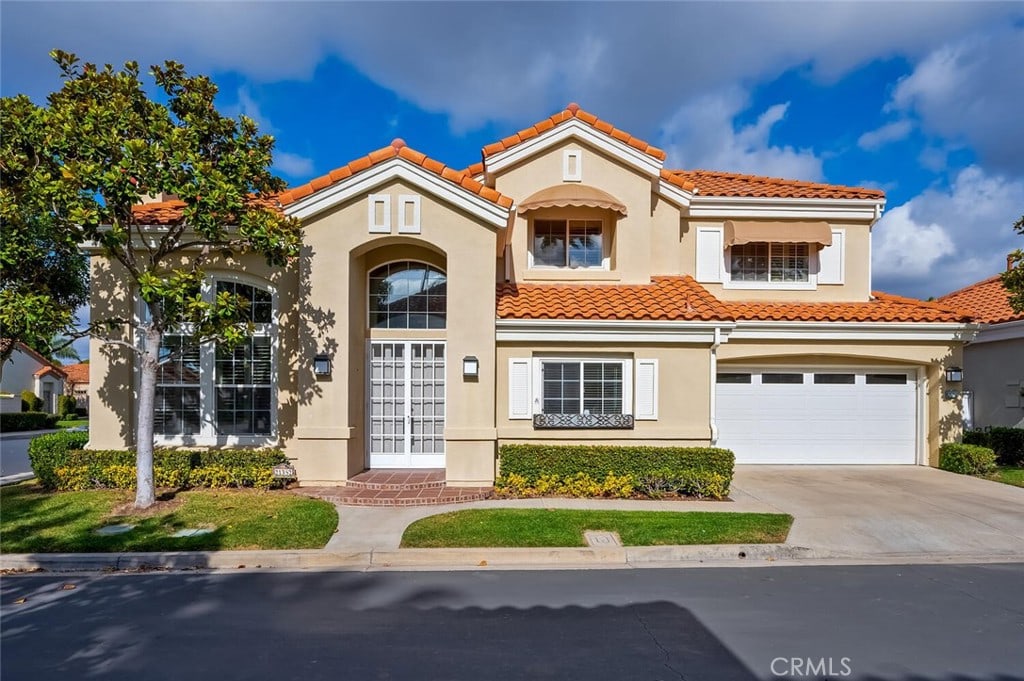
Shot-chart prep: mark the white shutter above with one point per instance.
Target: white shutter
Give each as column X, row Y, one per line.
column 831, row 258
column 520, row 404
column 646, row 390
column 709, row 254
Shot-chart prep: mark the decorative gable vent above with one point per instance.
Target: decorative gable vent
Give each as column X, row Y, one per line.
column 572, row 165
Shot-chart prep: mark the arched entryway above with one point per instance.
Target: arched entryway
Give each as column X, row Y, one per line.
column 406, row 303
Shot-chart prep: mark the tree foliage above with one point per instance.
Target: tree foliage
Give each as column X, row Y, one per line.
column 98, row 147
column 1013, row 278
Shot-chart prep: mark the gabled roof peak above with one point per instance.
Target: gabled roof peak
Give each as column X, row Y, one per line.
column 570, row 112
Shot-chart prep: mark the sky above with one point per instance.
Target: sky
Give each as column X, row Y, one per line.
column 920, row 99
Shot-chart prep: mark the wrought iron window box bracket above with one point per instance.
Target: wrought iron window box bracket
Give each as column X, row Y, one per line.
column 583, row 421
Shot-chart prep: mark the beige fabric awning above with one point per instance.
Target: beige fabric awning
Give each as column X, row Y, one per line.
column 779, row 232
column 563, row 195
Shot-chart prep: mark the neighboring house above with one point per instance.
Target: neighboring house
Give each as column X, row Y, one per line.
column 77, row 383
column 28, row 370
column 994, row 360
column 567, row 289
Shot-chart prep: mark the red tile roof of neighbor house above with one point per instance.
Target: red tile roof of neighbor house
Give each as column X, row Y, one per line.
column 717, row 183
column 169, row 212
column 570, row 112
column 397, row 149
column 77, row 373
column 987, row 301
column 683, row 299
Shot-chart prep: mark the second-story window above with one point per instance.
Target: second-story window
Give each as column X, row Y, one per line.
column 772, row 262
column 568, row 243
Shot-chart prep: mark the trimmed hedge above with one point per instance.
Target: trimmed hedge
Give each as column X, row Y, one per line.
column 66, row 406
column 654, row 470
column 966, row 459
column 30, row 402
column 61, row 463
column 27, row 420
column 1007, row 443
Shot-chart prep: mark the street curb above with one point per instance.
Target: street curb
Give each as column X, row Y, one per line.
column 724, row 555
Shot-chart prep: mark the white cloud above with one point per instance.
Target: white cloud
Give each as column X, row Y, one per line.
column 890, row 132
column 293, row 164
column 248, row 106
column 942, row 240
column 481, row 62
column 971, row 91
column 702, row 134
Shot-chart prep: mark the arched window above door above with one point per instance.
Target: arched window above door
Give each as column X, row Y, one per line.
column 407, row 295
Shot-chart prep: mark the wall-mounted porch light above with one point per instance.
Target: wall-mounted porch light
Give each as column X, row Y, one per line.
column 470, row 367
column 322, row 365
column 954, row 375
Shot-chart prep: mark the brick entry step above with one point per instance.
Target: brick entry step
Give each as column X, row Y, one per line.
column 390, row 487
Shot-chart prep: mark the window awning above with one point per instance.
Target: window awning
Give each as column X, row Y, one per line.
column 576, row 195
column 737, row 232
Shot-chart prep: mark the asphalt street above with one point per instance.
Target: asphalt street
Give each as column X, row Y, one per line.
column 920, row 623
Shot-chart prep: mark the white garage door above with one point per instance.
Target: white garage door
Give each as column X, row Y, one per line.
column 832, row 416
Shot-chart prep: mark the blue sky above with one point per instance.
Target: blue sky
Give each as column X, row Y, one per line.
column 920, row 99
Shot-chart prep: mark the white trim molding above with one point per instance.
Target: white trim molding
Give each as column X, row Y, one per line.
column 676, row 195
column 607, row 330
column 733, row 207
column 399, row 168
column 853, row 331
column 991, row 333
column 574, row 128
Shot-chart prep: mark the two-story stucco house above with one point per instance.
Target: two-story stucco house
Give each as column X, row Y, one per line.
column 569, row 288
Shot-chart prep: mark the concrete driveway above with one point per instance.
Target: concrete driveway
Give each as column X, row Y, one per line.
column 879, row 510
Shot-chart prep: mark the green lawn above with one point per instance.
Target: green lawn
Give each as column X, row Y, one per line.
column 34, row 521
column 1011, row 475
column 73, row 423
column 528, row 527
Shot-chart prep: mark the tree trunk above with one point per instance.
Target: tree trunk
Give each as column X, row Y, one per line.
column 145, row 495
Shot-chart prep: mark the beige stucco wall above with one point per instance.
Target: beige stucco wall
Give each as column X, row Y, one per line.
column 338, row 254
column 631, row 235
column 684, row 395
column 856, row 284
column 994, row 372
column 112, row 385
column 942, row 418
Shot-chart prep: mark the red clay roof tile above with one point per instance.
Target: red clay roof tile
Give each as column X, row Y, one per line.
column 716, row 183
column 987, row 301
column 396, row 148
column 572, row 111
column 682, row 298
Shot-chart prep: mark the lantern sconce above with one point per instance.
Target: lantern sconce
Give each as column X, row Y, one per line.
column 954, row 375
column 322, row 365
column 470, row 367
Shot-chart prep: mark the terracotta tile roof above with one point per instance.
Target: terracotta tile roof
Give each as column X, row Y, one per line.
column 987, row 301
column 50, row 369
column 397, row 148
column 716, row 183
column 883, row 307
column 678, row 180
column 77, row 373
column 474, row 169
column 570, row 112
column 667, row 298
column 169, row 212
column 682, row 298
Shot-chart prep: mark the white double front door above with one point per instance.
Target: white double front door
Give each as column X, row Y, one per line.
column 405, row 405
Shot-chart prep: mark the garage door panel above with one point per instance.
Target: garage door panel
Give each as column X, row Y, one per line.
column 828, row 421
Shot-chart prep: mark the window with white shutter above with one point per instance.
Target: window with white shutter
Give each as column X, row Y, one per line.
column 520, row 402
column 831, row 259
column 710, row 253
column 646, row 390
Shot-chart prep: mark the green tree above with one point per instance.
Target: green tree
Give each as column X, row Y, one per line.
column 44, row 276
column 1013, row 278
column 98, row 147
